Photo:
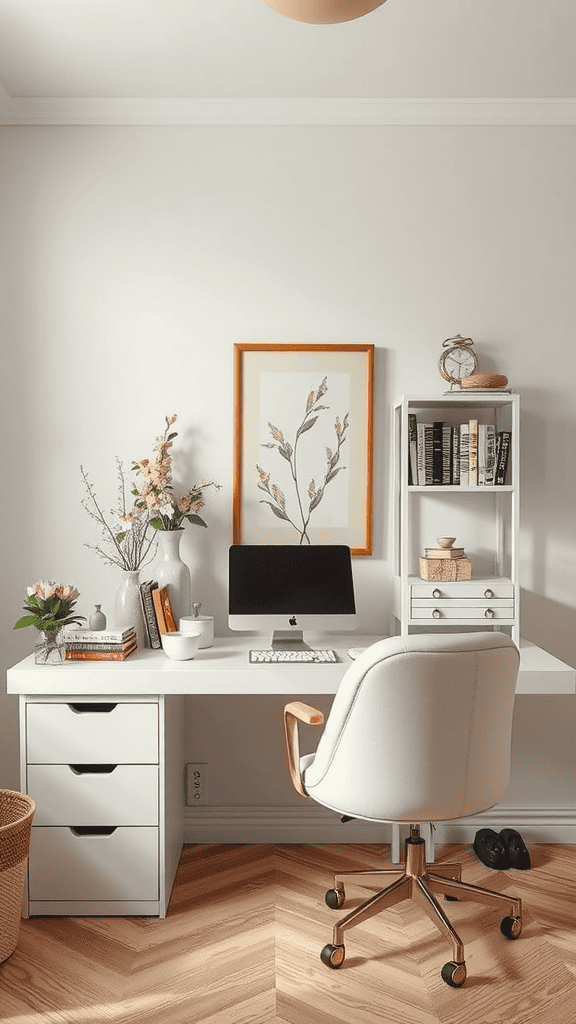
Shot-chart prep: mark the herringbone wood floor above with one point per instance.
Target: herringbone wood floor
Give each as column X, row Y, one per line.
column 241, row 942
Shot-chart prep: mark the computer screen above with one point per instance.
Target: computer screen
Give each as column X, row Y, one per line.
column 285, row 588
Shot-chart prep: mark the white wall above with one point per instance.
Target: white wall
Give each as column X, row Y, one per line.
column 134, row 258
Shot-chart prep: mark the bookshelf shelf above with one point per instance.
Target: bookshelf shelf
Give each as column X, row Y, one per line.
column 484, row 518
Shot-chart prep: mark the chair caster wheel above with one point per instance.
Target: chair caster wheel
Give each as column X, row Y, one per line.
column 511, row 927
column 454, row 974
column 334, row 898
column 332, row 956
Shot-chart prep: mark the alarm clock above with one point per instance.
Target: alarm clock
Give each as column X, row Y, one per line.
column 458, row 361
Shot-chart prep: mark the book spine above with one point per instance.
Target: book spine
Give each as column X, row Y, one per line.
column 503, row 452
column 428, row 454
column 446, row 453
column 437, row 452
column 98, row 647
column 455, row 479
column 473, row 453
column 150, row 616
column 171, row 624
column 464, row 454
column 97, row 636
column 481, row 454
column 490, row 455
column 99, row 655
column 412, row 449
column 421, row 449
column 159, row 609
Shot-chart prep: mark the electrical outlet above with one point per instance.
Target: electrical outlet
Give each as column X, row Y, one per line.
column 196, row 785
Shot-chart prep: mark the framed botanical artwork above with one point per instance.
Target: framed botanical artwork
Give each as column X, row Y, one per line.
column 303, row 445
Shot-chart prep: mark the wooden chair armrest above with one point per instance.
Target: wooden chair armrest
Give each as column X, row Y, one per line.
column 298, row 711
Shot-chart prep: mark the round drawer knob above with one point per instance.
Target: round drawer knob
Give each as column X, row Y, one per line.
column 436, row 593
column 488, row 593
column 436, row 614
column 489, row 614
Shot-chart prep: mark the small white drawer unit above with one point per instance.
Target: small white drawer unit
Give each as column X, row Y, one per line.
column 105, row 773
column 460, row 602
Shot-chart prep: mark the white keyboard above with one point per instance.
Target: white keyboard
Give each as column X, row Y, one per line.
column 289, row 657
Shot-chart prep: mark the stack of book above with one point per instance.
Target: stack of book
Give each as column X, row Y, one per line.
column 467, row 454
column 99, row 645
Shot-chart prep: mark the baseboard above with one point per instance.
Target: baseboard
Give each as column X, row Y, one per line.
column 310, row 823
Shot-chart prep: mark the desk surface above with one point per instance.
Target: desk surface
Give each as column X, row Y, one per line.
column 224, row 668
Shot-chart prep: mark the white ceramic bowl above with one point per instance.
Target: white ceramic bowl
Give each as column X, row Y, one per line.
column 181, row 646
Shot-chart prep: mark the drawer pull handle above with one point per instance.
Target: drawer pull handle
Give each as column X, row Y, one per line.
column 436, row 614
column 93, row 830
column 488, row 593
column 489, row 614
column 84, row 707
column 92, row 769
column 436, row 593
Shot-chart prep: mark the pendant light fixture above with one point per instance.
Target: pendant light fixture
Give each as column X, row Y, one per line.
column 323, row 12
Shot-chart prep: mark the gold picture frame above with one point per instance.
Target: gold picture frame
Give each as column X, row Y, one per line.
column 303, row 435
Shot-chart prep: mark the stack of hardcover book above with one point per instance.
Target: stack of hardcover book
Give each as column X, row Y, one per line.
column 99, row 645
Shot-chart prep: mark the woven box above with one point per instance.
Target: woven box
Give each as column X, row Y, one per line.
column 445, row 569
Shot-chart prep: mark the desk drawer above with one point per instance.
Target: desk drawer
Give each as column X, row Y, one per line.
column 464, row 590
column 83, row 732
column 119, row 866
column 483, row 611
column 124, row 794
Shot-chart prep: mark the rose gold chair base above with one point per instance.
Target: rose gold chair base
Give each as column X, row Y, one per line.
column 415, row 881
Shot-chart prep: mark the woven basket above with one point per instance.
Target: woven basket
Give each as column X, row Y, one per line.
column 16, row 813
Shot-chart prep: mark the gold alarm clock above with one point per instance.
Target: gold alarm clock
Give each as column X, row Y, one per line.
column 458, row 361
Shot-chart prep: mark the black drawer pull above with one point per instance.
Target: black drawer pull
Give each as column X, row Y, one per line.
column 93, row 830
column 88, row 706
column 92, row 769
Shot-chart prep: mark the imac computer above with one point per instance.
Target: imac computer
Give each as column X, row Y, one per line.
column 283, row 589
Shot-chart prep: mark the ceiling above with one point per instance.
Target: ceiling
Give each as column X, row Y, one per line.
column 241, row 49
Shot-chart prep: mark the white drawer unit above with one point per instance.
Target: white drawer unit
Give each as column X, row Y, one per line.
column 462, row 601
column 106, row 776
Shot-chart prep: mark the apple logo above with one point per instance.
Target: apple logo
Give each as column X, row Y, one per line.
column 292, row 621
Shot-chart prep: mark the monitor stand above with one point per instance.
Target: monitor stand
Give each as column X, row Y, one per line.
column 293, row 639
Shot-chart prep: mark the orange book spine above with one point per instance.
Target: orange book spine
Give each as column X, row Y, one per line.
column 159, row 609
column 171, row 624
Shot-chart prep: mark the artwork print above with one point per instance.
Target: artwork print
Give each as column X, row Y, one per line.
column 303, row 445
column 310, row 445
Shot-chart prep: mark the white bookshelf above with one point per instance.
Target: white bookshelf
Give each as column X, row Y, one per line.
column 484, row 519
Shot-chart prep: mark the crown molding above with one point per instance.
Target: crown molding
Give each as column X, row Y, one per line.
column 296, row 112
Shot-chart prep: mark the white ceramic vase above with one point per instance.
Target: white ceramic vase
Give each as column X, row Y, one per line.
column 171, row 572
column 127, row 604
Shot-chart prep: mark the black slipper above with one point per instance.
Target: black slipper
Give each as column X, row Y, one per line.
column 490, row 848
column 517, row 852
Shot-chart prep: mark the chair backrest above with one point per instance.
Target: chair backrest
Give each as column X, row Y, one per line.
column 420, row 729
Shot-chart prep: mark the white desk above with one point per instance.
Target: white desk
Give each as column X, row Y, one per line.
column 225, row 669
column 108, row 842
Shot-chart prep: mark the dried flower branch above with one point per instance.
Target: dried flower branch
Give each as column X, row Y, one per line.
column 126, row 540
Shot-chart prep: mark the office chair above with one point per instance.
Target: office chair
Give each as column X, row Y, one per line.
column 419, row 731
